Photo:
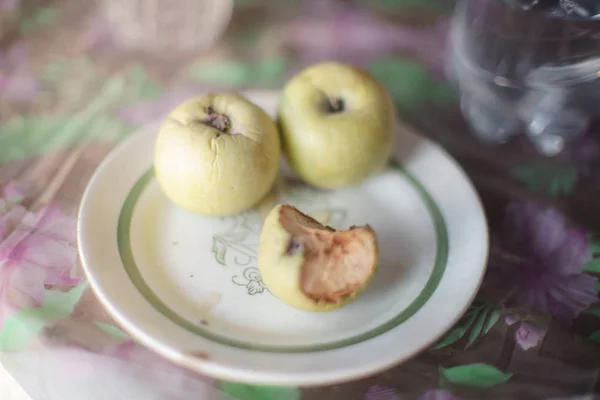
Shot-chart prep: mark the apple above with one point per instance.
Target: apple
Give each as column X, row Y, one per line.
column 337, row 124
column 217, row 154
column 311, row 266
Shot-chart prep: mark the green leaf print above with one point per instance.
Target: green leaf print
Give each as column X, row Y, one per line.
column 595, row 336
column 552, row 179
column 478, row 320
column 410, row 84
column 593, row 311
column 494, row 316
column 473, row 375
column 39, row 18
column 20, row 329
column 478, row 327
column 268, row 72
column 223, row 72
column 112, row 331
column 140, row 84
column 595, row 248
column 237, row 3
column 23, row 137
column 459, row 331
column 247, row 392
column 593, row 266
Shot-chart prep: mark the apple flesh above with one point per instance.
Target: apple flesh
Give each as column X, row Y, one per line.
column 217, row 154
column 337, row 124
column 311, row 266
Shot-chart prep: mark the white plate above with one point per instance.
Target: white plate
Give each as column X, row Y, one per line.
column 187, row 286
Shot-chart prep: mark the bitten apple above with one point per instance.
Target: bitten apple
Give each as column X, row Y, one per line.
column 311, row 266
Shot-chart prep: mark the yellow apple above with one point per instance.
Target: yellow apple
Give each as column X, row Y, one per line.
column 311, row 266
column 337, row 124
column 217, row 154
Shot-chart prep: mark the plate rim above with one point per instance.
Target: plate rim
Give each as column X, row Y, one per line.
column 228, row 372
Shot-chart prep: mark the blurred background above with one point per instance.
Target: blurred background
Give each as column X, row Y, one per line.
column 114, row 65
column 76, row 77
column 73, row 71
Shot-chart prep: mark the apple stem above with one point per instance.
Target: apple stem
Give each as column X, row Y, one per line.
column 216, row 120
column 335, row 104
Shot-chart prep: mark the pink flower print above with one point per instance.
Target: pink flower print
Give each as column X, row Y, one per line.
column 381, row 393
column 537, row 263
column 437, row 394
column 336, row 30
column 123, row 351
column 511, row 319
column 179, row 379
column 13, row 192
column 9, row 5
column 584, row 154
column 99, row 38
column 528, row 335
column 39, row 251
column 11, row 212
column 16, row 82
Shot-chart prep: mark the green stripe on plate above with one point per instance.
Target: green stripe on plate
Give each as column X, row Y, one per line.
column 126, row 252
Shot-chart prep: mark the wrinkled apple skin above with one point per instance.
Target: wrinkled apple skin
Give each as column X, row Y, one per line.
column 332, row 150
column 281, row 272
column 209, row 172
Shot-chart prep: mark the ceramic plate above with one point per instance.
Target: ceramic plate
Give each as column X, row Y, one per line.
column 188, row 286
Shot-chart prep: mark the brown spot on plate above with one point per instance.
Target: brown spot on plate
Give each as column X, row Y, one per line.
column 200, row 354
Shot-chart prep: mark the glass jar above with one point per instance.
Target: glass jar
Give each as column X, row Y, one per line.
column 527, row 66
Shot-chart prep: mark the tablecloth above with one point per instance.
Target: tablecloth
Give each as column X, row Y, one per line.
column 70, row 90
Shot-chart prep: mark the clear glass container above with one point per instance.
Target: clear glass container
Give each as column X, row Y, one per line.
column 527, row 66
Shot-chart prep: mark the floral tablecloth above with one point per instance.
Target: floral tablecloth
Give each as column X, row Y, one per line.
column 70, row 91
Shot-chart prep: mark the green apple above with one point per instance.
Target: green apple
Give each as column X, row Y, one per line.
column 337, row 124
column 311, row 266
column 217, row 154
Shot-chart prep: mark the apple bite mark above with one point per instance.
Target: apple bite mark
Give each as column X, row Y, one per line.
column 336, row 263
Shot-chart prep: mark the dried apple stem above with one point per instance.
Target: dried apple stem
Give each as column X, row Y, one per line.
column 216, row 120
column 335, row 104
